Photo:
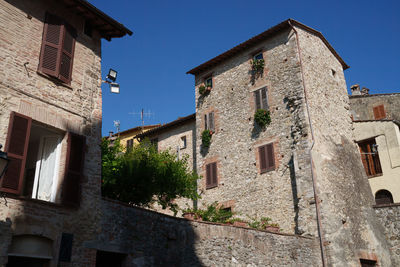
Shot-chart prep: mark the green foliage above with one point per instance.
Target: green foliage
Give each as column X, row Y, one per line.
column 257, row 65
column 212, row 213
column 262, row 223
column 143, row 175
column 202, row 89
column 206, row 138
column 110, row 163
column 262, row 117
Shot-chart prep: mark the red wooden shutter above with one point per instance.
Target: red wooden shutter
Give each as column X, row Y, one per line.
column 208, row 176
column 211, row 121
column 67, row 54
column 19, row 129
column 51, row 46
column 214, row 181
column 73, row 169
column 379, row 112
column 270, row 156
column 262, row 158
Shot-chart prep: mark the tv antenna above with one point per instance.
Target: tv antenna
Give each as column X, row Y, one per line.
column 142, row 115
column 117, row 125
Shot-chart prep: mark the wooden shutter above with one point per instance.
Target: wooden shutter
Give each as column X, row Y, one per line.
column 214, row 181
column 379, row 112
column 73, row 169
column 208, row 176
column 264, row 98
column 257, row 99
column 17, row 142
column 263, row 161
column 67, row 54
column 266, row 157
column 211, row 121
column 364, row 160
column 51, row 46
column 206, row 121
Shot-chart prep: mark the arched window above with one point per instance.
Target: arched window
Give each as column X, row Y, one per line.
column 383, row 197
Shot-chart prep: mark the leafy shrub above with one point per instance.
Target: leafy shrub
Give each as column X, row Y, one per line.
column 212, row 213
column 206, row 138
column 202, row 89
column 262, row 117
column 257, row 65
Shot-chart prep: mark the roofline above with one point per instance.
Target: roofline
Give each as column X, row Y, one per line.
column 171, row 124
column 369, row 95
column 135, row 128
column 384, row 120
column 261, row 37
column 122, row 30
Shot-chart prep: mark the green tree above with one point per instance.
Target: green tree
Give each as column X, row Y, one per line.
column 142, row 176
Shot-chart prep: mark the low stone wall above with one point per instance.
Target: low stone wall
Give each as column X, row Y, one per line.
column 153, row 239
column 389, row 216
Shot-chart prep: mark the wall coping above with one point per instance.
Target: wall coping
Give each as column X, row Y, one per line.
column 199, row 222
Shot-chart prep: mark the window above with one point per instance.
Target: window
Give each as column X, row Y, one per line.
column 379, row 112
column 261, row 98
column 266, row 157
column 209, row 122
column 183, row 142
column 57, row 52
column 34, row 150
column 383, row 197
column 211, row 175
column 370, row 157
column 258, row 56
column 66, row 247
column 129, row 143
column 367, row 263
column 208, row 82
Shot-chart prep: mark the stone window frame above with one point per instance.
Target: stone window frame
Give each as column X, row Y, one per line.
column 277, row 155
column 269, row 97
column 216, row 119
column 368, row 256
column 214, row 159
column 183, row 142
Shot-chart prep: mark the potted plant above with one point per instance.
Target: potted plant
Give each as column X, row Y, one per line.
column 206, row 138
column 204, row 89
column 257, row 65
column 262, row 117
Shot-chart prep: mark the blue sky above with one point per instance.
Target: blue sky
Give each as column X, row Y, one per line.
column 171, row 37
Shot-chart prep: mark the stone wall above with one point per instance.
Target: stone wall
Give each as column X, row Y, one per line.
column 362, row 106
column 234, row 145
column 349, row 227
column 389, row 217
column 152, row 239
column 75, row 108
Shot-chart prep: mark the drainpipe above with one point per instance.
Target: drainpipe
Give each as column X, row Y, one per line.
column 313, row 176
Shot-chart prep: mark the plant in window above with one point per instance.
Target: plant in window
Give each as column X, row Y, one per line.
column 262, row 117
column 257, row 65
column 206, row 138
column 204, row 90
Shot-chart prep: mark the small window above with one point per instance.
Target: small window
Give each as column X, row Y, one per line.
column 211, row 175
column 258, row 56
column 367, row 263
column 261, row 98
column 129, row 143
column 209, row 122
column 333, row 72
column 370, row 157
column 88, row 28
column 379, row 112
column 208, row 82
column 183, row 142
column 383, row 197
column 266, row 157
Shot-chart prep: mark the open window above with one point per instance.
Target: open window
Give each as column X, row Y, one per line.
column 35, row 169
column 370, row 157
column 383, row 197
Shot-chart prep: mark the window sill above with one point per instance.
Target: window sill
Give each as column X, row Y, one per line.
column 375, row 175
column 38, row 201
column 54, row 79
column 211, row 187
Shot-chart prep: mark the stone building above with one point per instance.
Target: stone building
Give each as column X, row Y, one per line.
column 376, row 131
column 303, row 170
column 128, row 137
column 50, row 123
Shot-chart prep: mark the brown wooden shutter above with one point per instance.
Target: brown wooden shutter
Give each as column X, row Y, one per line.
column 379, row 112
column 364, row 160
column 206, row 121
column 17, row 142
column 270, row 156
column 211, row 121
column 214, row 181
column 73, row 169
column 51, row 46
column 257, row 99
column 262, row 158
column 264, row 98
column 208, row 176
column 67, row 54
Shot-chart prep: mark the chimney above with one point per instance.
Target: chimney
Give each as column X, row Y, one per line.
column 365, row 91
column 355, row 89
